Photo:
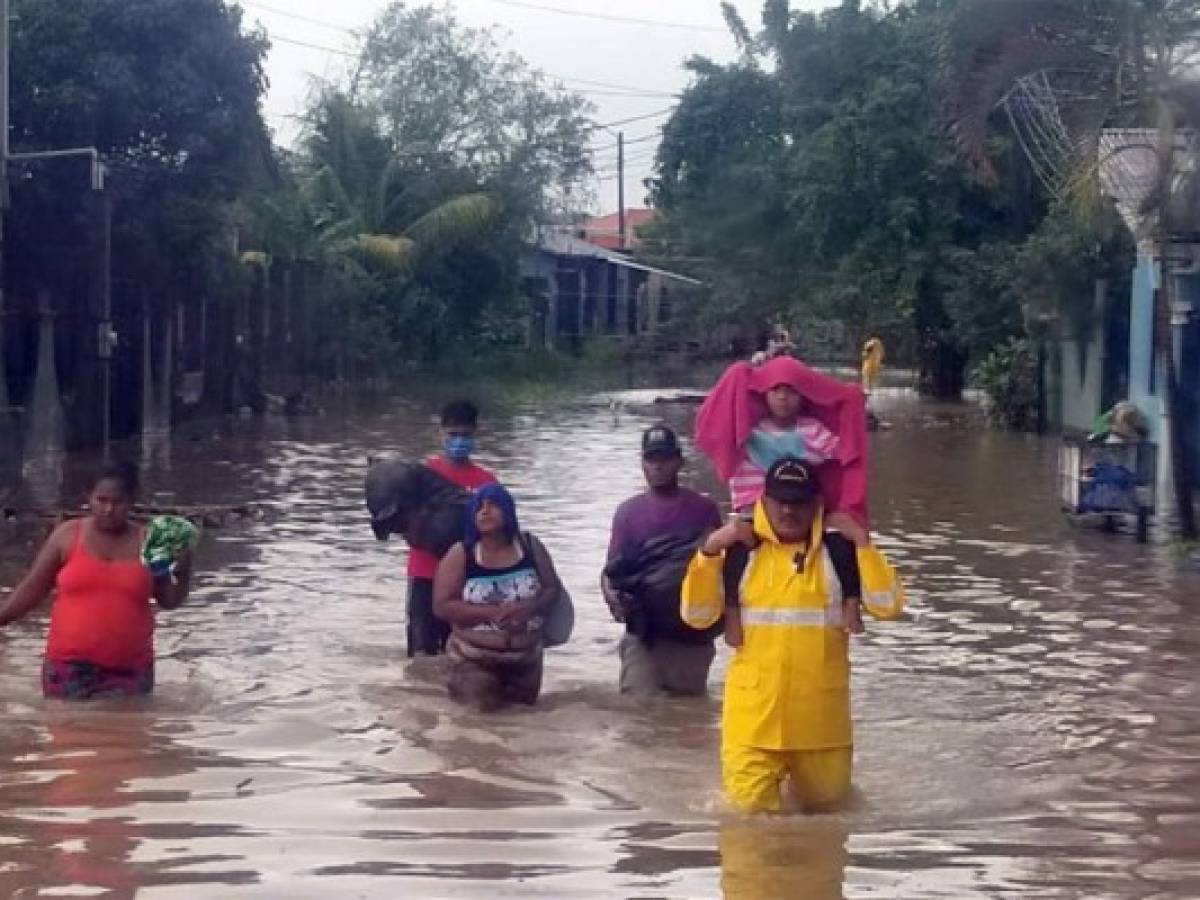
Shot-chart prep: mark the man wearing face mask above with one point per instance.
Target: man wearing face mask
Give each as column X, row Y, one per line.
column 460, row 420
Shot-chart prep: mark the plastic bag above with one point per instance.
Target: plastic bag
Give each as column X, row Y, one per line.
column 653, row 575
column 167, row 538
column 412, row 500
column 560, row 618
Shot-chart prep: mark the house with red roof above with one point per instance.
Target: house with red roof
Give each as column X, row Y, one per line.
column 605, row 231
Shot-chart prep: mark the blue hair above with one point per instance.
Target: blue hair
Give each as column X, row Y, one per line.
column 499, row 496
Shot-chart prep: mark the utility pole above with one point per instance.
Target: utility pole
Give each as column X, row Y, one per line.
column 620, row 185
column 102, row 273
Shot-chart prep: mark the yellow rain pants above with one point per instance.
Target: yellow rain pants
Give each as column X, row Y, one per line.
column 756, row 780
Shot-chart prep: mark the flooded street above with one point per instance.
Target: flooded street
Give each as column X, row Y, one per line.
column 1031, row 728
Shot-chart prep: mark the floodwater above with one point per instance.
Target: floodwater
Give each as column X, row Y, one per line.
column 1031, row 729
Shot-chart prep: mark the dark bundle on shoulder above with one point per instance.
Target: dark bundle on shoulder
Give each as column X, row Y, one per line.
column 653, row 574
column 412, row 500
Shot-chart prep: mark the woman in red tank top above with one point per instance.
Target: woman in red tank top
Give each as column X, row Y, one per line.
column 102, row 624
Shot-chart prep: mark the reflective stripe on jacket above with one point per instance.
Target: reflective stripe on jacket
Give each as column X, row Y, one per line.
column 788, row 686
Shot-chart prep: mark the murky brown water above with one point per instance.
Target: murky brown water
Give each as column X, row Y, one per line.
column 1032, row 730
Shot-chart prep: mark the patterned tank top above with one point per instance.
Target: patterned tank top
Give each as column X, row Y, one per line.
column 511, row 584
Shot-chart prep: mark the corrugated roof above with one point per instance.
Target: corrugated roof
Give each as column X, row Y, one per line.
column 559, row 244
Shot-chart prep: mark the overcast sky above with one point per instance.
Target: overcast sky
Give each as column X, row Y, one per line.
column 645, row 57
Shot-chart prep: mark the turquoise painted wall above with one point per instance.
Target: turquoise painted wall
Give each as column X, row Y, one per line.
column 1145, row 374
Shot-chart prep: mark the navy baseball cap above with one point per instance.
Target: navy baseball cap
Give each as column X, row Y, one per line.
column 659, row 440
column 792, row 480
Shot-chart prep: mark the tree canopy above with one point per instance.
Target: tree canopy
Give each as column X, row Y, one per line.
column 422, row 175
column 168, row 91
column 817, row 178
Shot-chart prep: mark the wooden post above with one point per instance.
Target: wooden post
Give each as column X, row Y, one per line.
column 149, row 407
column 93, row 413
column 254, row 342
column 166, row 378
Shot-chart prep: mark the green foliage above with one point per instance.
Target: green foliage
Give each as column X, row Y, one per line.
column 815, row 179
column 979, row 295
column 1055, row 270
column 455, row 105
column 1109, row 63
column 168, row 91
column 420, row 178
column 1008, row 376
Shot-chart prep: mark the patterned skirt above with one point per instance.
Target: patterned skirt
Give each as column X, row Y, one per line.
column 77, row 680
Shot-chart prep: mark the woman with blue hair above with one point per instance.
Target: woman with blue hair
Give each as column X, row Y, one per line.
column 494, row 589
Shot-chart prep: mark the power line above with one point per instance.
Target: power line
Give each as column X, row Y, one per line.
column 595, row 127
column 654, row 136
column 643, row 156
column 283, row 40
column 627, row 20
column 533, row 145
column 321, row 23
column 612, row 165
column 609, row 84
column 631, row 94
column 615, row 169
column 630, row 121
column 626, row 90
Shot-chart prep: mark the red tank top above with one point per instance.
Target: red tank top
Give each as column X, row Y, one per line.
column 102, row 611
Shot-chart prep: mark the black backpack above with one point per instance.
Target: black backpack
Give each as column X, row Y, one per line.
column 842, row 554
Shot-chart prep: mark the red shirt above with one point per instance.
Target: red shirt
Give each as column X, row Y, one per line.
column 422, row 564
column 102, row 613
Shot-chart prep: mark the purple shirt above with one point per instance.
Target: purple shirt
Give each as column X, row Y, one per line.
column 651, row 515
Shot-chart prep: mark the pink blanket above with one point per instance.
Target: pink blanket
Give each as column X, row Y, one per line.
column 735, row 405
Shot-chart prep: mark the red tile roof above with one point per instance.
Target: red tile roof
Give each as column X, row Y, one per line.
column 605, row 231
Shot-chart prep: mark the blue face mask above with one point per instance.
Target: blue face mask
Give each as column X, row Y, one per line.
column 459, row 447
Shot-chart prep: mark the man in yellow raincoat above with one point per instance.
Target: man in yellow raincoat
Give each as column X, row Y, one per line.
column 787, row 693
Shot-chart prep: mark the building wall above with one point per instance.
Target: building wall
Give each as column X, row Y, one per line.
column 1081, row 371
column 575, row 299
column 1145, row 371
column 1144, row 379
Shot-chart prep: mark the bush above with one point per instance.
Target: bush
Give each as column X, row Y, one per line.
column 1008, row 376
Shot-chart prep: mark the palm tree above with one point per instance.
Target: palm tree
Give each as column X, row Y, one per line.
column 357, row 189
column 1100, row 64
column 359, row 215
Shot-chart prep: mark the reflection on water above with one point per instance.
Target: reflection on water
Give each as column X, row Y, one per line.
column 1032, row 729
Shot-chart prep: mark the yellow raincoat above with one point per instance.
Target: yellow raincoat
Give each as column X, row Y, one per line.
column 787, row 693
column 872, row 363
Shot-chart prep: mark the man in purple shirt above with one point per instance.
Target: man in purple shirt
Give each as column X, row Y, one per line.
column 652, row 664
